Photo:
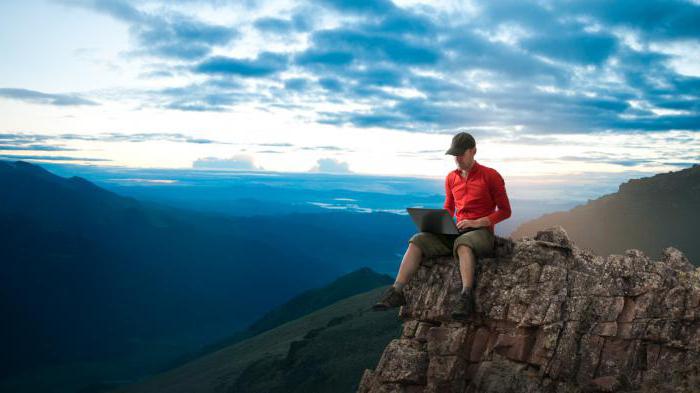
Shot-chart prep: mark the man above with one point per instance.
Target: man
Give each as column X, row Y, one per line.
column 475, row 191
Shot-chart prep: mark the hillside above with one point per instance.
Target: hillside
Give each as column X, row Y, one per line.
column 325, row 351
column 650, row 214
column 103, row 287
column 353, row 283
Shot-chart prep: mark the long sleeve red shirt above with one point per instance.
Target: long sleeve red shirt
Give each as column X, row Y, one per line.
column 478, row 195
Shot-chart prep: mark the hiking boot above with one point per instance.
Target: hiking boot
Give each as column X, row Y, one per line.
column 391, row 298
column 464, row 306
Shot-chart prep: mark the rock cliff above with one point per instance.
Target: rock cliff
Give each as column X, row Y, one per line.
column 550, row 317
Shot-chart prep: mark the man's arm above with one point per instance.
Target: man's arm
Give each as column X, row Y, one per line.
column 449, row 198
column 497, row 188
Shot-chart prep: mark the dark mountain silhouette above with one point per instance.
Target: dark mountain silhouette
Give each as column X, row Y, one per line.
column 90, row 275
column 358, row 281
column 324, row 351
column 649, row 214
column 81, row 264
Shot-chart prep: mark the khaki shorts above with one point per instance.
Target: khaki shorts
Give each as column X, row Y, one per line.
column 480, row 240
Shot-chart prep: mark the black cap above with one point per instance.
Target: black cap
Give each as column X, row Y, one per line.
column 460, row 143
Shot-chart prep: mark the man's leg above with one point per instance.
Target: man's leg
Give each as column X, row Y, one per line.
column 420, row 245
column 466, row 266
column 466, row 248
column 409, row 265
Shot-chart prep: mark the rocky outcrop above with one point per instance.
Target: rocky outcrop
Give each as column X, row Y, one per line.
column 550, row 317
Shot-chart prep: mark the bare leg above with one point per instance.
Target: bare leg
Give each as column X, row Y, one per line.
column 466, row 265
column 409, row 264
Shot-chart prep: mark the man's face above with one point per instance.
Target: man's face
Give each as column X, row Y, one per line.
column 465, row 160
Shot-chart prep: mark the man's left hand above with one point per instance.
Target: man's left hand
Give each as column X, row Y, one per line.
column 480, row 222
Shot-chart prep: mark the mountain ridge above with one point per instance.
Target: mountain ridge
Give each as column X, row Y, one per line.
column 350, row 284
column 649, row 214
column 133, row 285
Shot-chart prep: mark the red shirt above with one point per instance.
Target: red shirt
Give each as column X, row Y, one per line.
column 478, row 195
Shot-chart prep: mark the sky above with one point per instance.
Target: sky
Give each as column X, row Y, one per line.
column 550, row 90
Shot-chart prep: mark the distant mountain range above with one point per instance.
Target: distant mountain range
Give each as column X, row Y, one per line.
column 89, row 276
column 103, row 289
column 650, row 214
column 245, row 193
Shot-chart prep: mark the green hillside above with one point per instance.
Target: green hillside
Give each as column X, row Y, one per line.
column 358, row 281
column 325, row 351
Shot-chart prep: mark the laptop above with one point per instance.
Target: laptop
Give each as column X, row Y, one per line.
column 434, row 221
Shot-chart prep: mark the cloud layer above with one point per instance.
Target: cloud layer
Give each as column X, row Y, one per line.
column 530, row 67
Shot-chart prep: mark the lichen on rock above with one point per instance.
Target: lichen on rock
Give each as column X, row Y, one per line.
column 549, row 317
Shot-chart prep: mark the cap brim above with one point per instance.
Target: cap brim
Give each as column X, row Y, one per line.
column 453, row 151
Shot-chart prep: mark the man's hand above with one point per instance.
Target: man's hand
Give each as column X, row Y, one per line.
column 478, row 223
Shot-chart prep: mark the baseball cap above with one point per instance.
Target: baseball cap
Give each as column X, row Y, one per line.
column 461, row 142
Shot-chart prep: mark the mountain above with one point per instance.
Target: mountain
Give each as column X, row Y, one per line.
column 650, row 214
column 353, row 283
column 324, row 351
column 549, row 317
column 98, row 286
column 87, row 272
column 359, row 281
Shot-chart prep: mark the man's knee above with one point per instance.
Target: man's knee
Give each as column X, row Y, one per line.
column 418, row 241
column 429, row 244
column 412, row 246
column 464, row 248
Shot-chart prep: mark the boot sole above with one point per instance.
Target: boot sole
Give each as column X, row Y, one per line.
column 382, row 307
column 460, row 317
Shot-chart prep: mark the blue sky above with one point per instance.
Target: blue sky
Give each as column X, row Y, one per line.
column 550, row 90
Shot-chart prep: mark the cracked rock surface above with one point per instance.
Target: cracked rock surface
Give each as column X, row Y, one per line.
column 549, row 317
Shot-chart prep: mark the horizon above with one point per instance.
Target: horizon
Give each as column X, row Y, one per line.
column 195, row 189
column 548, row 90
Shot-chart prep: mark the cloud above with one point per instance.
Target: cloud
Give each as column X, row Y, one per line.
column 50, row 158
column 577, row 47
column 35, row 147
column 330, row 165
column 361, row 7
column 296, row 84
column 655, row 19
column 264, row 64
column 331, row 84
column 342, row 46
column 324, row 148
column 212, row 95
column 236, row 162
column 576, row 67
column 162, row 32
column 18, row 139
column 298, row 23
column 37, row 97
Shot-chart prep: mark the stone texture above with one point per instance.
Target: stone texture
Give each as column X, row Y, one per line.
column 549, row 317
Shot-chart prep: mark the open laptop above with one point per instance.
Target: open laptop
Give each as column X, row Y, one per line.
column 434, row 221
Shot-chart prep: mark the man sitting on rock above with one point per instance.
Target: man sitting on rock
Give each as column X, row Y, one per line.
column 475, row 190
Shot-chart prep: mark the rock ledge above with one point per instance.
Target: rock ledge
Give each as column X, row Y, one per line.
column 550, row 317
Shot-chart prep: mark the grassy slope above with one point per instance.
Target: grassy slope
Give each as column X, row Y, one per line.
column 332, row 358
